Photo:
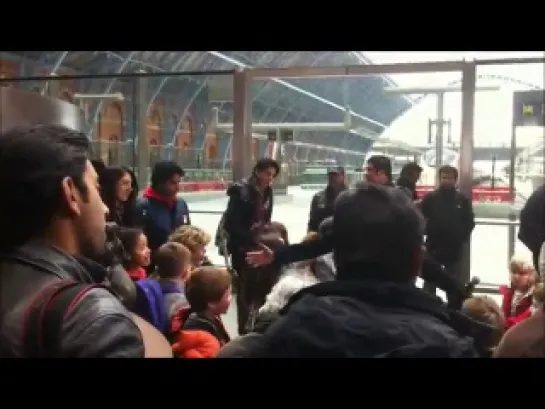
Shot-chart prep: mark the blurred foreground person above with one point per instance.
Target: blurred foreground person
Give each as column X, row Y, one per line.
column 373, row 308
column 53, row 302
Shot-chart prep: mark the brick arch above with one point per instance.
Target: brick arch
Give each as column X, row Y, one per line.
column 211, row 150
column 184, row 137
column 154, row 129
column 111, row 122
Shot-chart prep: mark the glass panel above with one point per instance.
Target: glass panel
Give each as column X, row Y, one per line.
column 498, row 193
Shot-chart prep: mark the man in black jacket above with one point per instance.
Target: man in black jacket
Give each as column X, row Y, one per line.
column 321, row 205
column 373, row 308
column 532, row 224
column 449, row 222
column 53, row 224
column 249, row 210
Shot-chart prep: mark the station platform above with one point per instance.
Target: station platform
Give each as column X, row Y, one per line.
column 489, row 247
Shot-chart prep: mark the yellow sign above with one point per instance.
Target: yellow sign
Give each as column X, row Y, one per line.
column 527, row 110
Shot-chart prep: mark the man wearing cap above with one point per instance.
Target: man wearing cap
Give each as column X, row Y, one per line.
column 321, row 205
column 373, row 308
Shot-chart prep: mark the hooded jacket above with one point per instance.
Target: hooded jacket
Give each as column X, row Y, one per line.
column 160, row 216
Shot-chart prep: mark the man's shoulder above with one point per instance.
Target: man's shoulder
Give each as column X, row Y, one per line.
column 313, row 325
column 100, row 326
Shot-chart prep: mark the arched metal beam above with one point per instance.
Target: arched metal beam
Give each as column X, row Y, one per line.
column 184, row 112
column 163, row 82
column 299, row 90
column 56, row 66
column 503, row 78
column 288, row 63
column 107, row 90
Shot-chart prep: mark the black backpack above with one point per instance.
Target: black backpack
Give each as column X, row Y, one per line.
column 44, row 315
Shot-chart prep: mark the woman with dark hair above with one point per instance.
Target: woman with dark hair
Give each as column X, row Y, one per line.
column 119, row 190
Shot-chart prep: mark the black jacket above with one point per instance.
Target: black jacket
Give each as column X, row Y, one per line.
column 97, row 327
column 532, row 221
column 363, row 318
column 321, row 207
column 449, row 223
column 241, row 210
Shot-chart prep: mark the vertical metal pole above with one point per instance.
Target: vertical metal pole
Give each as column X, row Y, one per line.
column 439, row 135
column 466, row 153
column 241, row 147
column 143, row 154
column 512, row 192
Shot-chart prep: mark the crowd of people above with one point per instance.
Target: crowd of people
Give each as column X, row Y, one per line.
column 99, row 270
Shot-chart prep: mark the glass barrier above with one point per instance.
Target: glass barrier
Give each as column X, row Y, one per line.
column 177, row 115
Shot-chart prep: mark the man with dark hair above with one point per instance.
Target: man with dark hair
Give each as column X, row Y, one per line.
column 378, row 170
column 160, row 209
column 321, row 205
column 53, row 224
column 373, row 308
column 450, row 221
column 410, row 173
column 249, row 209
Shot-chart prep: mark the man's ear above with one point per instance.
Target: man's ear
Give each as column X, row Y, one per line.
column 71, row 196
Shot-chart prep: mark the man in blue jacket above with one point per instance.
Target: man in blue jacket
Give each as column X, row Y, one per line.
column 160, row 209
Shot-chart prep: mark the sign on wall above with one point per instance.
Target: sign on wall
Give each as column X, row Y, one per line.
column 529, row 108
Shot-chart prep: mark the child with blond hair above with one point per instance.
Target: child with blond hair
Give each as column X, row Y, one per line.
column 517, row 303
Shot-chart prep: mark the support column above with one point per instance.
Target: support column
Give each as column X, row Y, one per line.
column 439, row 136
column 241, row 147
column 466, row 152
column 142, row 159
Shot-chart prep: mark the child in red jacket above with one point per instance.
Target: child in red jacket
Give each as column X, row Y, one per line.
column 518, row 297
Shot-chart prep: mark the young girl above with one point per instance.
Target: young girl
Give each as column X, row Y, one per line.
column 137, row 252
column 518, row 297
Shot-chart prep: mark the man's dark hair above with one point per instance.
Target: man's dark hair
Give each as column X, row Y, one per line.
column 376, row 225
column 163, row 171
column 33, row 162
column 382, row 163
column 409, row 168
column 266, row 163
column 447, row 169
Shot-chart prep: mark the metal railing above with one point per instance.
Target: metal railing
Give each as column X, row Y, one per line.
column 489, row 288
column 481, row 288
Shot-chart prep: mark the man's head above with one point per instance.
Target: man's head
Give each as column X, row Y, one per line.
column 411, row 171
column 336, row 177
column 379, row 226
column 166, row 177
column 448, row 177
column 378, row 170
column 265, row 171
column 53, row 190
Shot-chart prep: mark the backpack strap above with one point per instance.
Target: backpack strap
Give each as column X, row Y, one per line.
column 45, row 313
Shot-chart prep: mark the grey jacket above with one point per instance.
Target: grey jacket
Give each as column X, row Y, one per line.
column 98, row 326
